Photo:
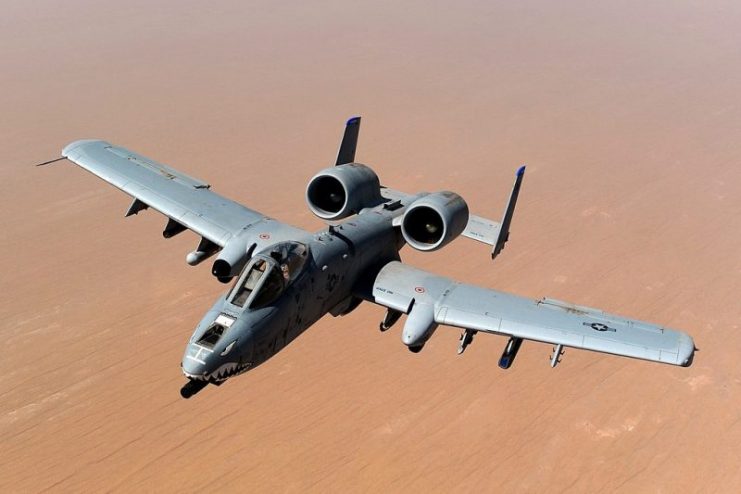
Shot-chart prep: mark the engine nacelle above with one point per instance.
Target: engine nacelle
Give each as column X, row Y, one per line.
column 232, row 258
column 433, row 221
column 343, row 190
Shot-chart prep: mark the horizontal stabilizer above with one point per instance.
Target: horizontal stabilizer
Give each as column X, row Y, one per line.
column 482, row 229
column 478, row 228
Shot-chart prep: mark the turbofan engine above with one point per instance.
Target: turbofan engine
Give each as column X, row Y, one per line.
column 434, row 220
column 343, row 190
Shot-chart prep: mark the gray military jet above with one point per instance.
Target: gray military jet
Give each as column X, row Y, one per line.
column 286, row 278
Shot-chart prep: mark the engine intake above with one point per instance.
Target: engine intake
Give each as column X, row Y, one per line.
column 343, row 190
column 433, row 221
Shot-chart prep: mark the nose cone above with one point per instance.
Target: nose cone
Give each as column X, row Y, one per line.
column 194, row 363
column 221, row 346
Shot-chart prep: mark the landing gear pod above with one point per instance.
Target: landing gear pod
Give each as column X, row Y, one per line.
column 419, row 326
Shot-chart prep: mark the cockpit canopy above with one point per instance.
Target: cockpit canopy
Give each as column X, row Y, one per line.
column 268, row 274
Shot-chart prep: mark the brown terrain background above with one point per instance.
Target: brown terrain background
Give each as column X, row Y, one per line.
column 627, row 115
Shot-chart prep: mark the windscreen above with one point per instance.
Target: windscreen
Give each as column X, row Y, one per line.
column 269, row 290
column 268, row 275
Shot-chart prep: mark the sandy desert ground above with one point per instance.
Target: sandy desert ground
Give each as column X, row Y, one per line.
column 628, row 117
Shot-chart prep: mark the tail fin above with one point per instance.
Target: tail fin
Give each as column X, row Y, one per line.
column 346, row 153
column 507, row 219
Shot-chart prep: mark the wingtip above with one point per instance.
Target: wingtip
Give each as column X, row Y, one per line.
column 521, row 171
column 72, row 145
column 353, row 120
column 687, row 349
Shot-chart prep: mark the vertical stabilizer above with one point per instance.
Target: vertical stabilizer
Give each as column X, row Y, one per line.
column 346, row 153
column 507, row 219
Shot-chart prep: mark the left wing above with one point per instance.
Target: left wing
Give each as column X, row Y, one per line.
column 185, row 200
column 429, row 300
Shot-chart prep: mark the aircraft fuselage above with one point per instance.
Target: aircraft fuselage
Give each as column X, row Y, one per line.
column 339, row 261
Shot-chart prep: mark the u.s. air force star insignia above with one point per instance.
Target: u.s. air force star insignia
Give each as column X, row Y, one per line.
column 598, row 326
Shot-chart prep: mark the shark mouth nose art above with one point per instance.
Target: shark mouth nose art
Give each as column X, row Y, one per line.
column 222, row 373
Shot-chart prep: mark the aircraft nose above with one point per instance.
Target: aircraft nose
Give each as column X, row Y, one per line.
column 194, row 364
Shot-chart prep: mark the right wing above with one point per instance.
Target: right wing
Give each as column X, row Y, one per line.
column 188, row 202
column 430, row 300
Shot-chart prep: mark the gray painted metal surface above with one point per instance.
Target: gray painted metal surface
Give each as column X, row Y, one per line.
column 182, row 198
column 545, row 320
column 285, row 279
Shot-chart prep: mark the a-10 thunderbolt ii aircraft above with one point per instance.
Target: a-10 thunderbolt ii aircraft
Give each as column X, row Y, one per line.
column 286, row 278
